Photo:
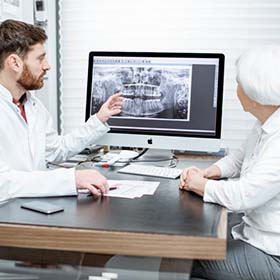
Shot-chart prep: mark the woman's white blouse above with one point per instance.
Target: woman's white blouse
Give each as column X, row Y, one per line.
column 257, row 190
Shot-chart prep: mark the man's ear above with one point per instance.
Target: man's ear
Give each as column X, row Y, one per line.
column 14, row 62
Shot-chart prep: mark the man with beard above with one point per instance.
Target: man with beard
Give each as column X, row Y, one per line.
column 28, row 139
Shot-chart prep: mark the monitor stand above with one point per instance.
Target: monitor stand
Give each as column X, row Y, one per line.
column 158, row 157
column 166, row 158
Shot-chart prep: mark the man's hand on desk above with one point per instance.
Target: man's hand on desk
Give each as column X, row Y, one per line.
column 194, row 179
column 92, row 180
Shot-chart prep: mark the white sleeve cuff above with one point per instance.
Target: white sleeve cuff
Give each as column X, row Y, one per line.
column 225, row 167
column 98, row 123
column 209, row 191
column 68, row 181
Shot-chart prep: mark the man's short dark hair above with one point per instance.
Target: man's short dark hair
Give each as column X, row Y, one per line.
column 18, row 37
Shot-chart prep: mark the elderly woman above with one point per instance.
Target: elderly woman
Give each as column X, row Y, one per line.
column 253, row 249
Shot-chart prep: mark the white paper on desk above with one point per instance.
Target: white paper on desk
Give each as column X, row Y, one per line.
column 132, row 189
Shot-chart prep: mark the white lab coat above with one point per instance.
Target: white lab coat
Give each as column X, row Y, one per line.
column 257, row 192
column 26, row 147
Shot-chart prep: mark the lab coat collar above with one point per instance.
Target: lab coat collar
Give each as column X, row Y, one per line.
column 271, row 125
column 6, row 94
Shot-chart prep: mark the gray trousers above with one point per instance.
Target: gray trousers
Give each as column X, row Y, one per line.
column 243, row 261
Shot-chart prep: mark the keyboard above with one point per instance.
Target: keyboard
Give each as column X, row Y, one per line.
column 149, row 170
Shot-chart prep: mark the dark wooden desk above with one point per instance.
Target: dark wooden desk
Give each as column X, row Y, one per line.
column 171, row 223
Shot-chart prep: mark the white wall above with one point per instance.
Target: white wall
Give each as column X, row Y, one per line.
column 229, row 27
column 22, row 11
column 25, row 12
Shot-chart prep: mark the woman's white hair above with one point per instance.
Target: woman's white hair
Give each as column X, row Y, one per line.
column 258, row 73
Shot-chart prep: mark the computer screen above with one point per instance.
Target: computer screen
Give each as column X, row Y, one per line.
column 172, row 100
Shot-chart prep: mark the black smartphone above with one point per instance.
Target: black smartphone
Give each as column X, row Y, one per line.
column 42, row 207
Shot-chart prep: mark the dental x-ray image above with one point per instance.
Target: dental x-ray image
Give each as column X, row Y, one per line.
column 149, row 92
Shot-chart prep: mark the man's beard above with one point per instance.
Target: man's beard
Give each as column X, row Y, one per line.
column 28, row 81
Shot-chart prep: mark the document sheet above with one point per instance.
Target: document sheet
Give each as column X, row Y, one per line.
column 131, row 189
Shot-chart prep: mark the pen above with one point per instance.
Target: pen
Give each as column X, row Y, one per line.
column 109, row 163
column 102, row 164
column 110, row 189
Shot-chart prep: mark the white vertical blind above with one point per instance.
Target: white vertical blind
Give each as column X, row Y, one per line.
column 48, row 93
column 229, row 27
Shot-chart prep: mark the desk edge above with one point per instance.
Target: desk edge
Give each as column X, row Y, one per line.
column 116, row 242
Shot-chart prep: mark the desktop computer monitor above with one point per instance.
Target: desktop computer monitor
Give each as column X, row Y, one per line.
column 172, row 100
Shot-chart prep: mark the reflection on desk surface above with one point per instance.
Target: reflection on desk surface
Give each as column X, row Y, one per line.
column 39, row 264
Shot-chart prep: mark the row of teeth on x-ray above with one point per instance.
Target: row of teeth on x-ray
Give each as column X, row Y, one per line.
column 141, row 100
column 140, row 107
column 140, row 90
